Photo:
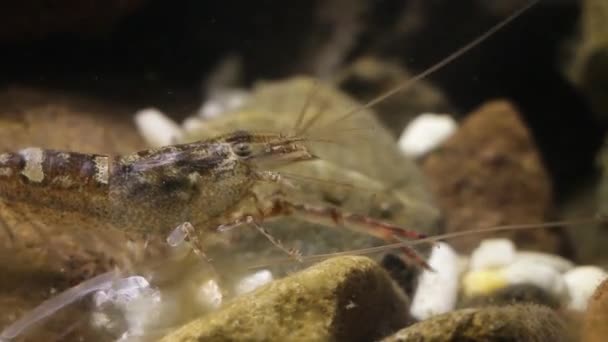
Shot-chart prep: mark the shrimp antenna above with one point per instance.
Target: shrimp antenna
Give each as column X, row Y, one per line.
column 439, row 65
column 311, row 95
column 441, row 237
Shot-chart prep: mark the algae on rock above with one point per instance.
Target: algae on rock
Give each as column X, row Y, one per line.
column 341, row 299
column 522, row 323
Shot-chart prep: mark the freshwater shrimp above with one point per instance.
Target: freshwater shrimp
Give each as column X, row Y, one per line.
column 154, row 191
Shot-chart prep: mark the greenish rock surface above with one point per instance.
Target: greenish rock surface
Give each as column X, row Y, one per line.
column 341, row 299
column 522, row 322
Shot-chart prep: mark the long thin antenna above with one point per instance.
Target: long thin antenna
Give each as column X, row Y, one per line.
column 454, row 55
column 311, row 94
column 431, row 239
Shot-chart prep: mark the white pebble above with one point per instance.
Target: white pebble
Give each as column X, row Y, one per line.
column 253, row 281
column 483, row 282
column 554, row 261
column 156, row 128
column 543, row 276
column 581, row 282
column 131, row 303
column 223, row 101
column 437, row 291
column 122, row 292
column 210, row 295
column 144, row 312
column 493, row 253
column 426, row 132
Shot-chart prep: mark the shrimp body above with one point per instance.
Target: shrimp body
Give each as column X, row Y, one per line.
column 150, row 191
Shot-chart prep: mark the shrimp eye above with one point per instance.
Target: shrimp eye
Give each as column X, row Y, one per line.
column 242, row 150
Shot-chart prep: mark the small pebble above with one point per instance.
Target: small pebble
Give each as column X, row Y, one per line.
column 253, row 281
column 210, row 295
column 493, row 253
column 223, row 101
column 543, row 276
column 581, row 282
column 487, row 281
column 483, row 282
column 156, row 128
column 426, row 132
column 129, row 307
column 554, row 261
column 437, row 291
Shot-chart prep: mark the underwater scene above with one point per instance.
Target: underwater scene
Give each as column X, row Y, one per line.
column 386, row 170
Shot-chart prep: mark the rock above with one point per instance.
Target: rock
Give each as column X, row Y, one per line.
column 543, row 276
column 492, row 253
column 156, row 128
column 490, row 173
column 513, row 294
column 522, row 322
column 594, row 325
column 437, row 290
column 551, row 260
column 483, row 282
column 581, row 282
column 337, row 299
column 253, row 281
column 426, row 132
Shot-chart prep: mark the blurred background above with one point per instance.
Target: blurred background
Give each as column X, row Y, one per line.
column 73, row 73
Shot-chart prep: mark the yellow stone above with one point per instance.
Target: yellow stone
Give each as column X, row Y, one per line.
column 483, row 282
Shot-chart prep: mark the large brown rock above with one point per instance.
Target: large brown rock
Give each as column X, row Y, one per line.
column 594, row 326
column 490, row 173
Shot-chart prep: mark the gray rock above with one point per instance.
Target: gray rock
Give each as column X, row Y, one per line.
column 341, row 299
